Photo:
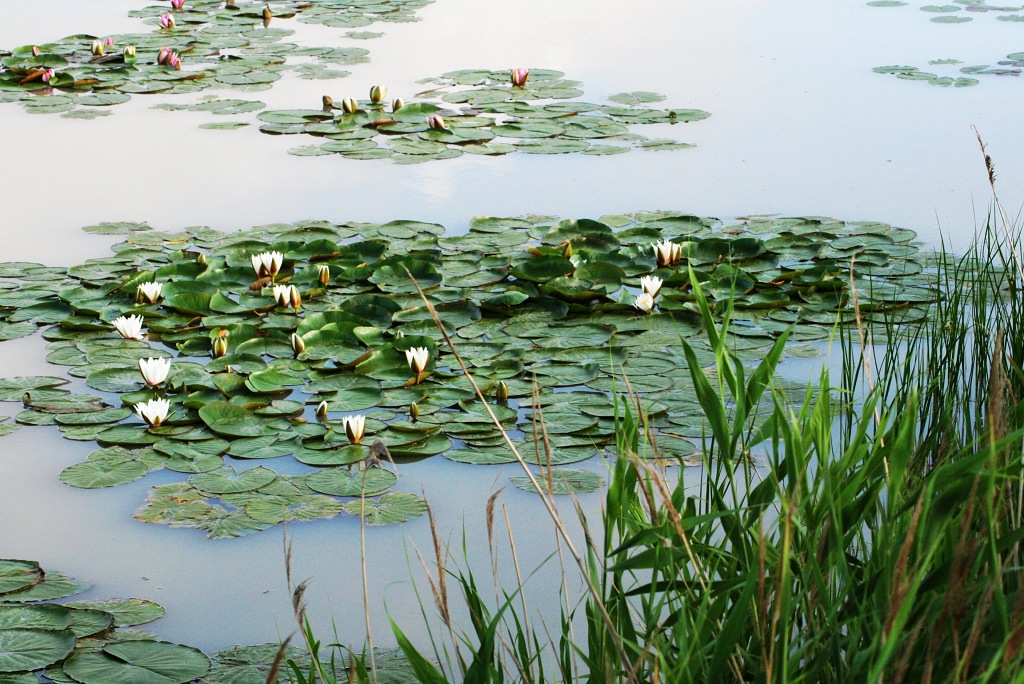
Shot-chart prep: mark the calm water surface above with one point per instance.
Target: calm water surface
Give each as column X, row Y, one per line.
column 800, row 126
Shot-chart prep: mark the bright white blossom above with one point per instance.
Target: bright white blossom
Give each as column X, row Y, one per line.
column 282, row 295
column 667, row 252
column 148, row 293
column 267, row 263
column 417, row 358
column 154, row 371
column 154, row 411
column 355, row 426
column 651, row 285
column 644, row 302
column 130, row 327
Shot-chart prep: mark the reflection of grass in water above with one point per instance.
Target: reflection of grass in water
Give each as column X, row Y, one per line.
column 888, row 549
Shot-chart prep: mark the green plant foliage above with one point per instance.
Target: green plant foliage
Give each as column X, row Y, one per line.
column 562, row 481
column 957, row 13
column 527, row 300
column 1011, row 66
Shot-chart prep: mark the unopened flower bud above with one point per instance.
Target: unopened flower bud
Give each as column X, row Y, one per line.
column 201, row 259
column 97, row 47
column 414, row 411
column 397, row 104
column 321, row 412
column 349, row 105
column 378, row 94
column 323, row 274
column 220, row 344
column 36, row 51
column 328, row 103
column 295, row 297
column 501, row 392
column 298, row 344
column 435, row 121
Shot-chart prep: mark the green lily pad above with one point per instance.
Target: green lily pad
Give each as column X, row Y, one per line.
column 138, row 662
column 562, row 481
column 33, row 649
column 339, row 482
column 391, row 508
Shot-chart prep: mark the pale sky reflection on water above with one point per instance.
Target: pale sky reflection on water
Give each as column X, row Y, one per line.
column 800, row 125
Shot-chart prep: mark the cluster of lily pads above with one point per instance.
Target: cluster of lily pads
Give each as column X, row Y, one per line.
column 89, row 641
column 960, row 11
column 575, row 308
column 1011, row 66
column 195, row 45
column 483, row 112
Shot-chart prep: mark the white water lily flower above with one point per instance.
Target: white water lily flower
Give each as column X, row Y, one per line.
column 282, row 295
column 130, row 327
column 667, row 252
column 417, row 358
column 267, row 263
column 148, row 293
column 644, row 302
column 355, row 427
column 154, row 371
column 154, row 411
column 651, row 285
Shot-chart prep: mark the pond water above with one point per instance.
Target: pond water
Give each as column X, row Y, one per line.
column 800, row 126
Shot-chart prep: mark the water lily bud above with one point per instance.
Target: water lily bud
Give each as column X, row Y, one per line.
column 399, row 334
column 166, row 21
column 97, row 47
column 355, row 427
column 349, row 105
column 435, row 121
column 129, row 52
column 414, row 411
column 328, row 103
column 321, row 412
column 220, row 344
column 644, row 302
column 501, row 393
column 177, row 4
column 567, row 252
column 378, row 94
column 298, row 344
column 397, row 104
column 36, row 51
column 201, row 259
column 154, row 411
column 109, row 41
column 174, row 62
column 164, row 55
column 267, row 16
column 519, row 77
column 48, row 75
column 295, row 297
column 323, row 274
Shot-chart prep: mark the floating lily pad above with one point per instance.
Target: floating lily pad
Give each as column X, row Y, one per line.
column 562, row 481
column 33, row 649
column 138, row 662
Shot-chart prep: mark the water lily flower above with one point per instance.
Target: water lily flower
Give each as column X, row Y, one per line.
column 298, row 344
column 154, row 411
column 282, row 295
column 378, row 94
column 177, row 4
column 397, row 104
column 349, row 105
column 323, row 274
column 97, row 47
column 295, row 297
column 154, row 371
column 355, row 427
column 164, row 55
column 644, row 302
column 174, row 62
column 651, row 285
column 36, row 51
column 321, row 412
column 417, row 357
column 267, row 263
column 667, row 253
column 130, row 327
column 129, row 51
column 48, row 75
column 519, row 77
column 435, row 121
column 220, row 344
column 166, row 21
column 148, row 293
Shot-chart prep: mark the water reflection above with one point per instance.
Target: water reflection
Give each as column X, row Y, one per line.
column 800, row 125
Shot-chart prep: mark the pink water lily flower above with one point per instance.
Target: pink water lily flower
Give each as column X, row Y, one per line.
column 48, row 75
column 519, row 77
column 177, row 4
column 435, row 121
column 166, row 21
